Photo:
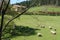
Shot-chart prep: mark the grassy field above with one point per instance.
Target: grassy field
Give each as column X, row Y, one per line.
column 45, row 8
column 33, row 21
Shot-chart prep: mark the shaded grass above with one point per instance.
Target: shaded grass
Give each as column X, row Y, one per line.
column 33, row 21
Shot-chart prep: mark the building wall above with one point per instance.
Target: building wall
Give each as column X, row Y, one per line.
column 18, row 8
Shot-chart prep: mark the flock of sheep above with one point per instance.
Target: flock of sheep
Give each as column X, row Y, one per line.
column 53, row 32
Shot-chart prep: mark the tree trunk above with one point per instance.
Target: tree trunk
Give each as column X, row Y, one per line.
column 56, row 2
column 2, row 18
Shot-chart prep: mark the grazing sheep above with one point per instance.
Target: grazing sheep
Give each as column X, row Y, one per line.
column 53, row 32
column 50, row 27
column 55, row 29
column 39, row 34
column 42, row 26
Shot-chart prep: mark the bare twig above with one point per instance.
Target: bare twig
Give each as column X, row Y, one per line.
column 1, row 5
column 7, row 6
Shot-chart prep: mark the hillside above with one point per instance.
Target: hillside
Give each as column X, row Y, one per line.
column 45, row 8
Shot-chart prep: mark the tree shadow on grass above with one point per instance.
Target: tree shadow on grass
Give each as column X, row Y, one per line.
column 23, row 31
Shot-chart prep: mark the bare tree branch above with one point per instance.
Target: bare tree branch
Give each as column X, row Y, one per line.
column 18, row 15
column 2, row 18
column 1, row 5
column 7, row 6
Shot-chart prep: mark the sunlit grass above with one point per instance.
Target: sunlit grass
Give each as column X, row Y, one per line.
column 44, row 8
column 31, row 21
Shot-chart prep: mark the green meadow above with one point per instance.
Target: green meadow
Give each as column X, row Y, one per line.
column 35, row 21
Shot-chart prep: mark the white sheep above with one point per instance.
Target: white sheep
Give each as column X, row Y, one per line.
column 39, row 34
column 53, row 32
column 50, row 27
column 42, row 26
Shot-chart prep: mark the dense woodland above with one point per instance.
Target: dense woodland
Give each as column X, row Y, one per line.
column 40, row 2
